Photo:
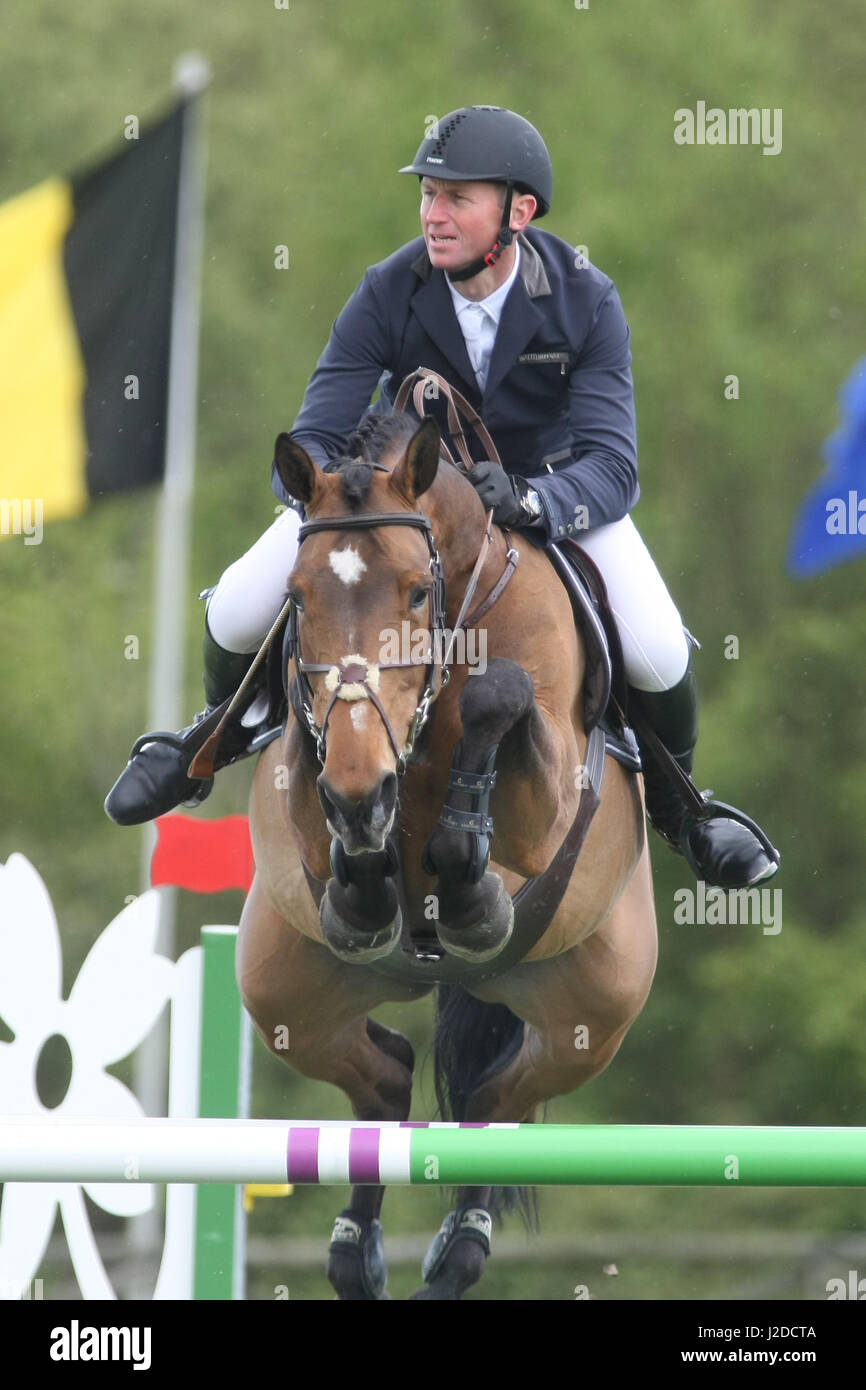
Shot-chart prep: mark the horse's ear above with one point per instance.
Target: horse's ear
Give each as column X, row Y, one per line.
column 417, row 469
column 295, row 469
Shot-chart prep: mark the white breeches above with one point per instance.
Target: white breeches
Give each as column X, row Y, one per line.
column 655, row 648
column 253, row 590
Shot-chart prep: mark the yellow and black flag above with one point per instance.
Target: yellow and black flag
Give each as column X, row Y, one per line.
column 86, row 289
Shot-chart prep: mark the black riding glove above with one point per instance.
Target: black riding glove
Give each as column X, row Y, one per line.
column 500, row 490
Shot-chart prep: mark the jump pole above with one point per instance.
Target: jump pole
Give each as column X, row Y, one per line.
column 278, row 1151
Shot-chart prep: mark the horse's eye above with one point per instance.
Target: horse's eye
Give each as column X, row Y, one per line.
column 418, row 597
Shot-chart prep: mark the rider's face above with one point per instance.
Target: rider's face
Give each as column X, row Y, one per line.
column 460, row 221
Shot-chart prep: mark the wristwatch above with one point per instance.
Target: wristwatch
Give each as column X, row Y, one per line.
column 532, row 504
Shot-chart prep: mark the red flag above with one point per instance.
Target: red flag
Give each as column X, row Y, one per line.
column 205, row 856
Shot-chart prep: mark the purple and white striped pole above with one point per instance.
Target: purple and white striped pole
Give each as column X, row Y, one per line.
column 278, row 1151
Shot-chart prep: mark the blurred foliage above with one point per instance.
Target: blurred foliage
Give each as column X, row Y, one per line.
column 727, row 261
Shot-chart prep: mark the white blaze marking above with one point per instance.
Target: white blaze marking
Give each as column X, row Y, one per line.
column 347, row 564
column 358, row 715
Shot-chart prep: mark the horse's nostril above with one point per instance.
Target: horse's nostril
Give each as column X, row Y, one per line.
column 388, row 790
column 328, row 800
column 373, row 810
column 383, row 807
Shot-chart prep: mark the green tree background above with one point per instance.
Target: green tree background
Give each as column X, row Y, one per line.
column 728, row 262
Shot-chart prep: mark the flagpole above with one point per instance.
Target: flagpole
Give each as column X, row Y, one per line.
column 172, row 536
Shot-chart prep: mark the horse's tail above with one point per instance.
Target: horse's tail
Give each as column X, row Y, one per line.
column 471, row 1042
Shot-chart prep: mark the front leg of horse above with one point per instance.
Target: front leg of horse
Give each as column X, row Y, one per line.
column 360, row 913
column 475, row 912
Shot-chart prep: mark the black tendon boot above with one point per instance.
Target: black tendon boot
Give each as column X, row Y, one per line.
column 725, row 850
column 154, row 780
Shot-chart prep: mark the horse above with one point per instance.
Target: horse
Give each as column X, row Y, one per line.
column 367, row 891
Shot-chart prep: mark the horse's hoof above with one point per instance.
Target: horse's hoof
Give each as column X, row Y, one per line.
column 483, row 939
column 457, row 1256
column 356, row 1265
column 352, row 945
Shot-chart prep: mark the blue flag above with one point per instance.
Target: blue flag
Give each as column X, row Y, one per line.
column 831, row 524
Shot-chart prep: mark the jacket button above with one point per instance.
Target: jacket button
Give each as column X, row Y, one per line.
column 562, row 530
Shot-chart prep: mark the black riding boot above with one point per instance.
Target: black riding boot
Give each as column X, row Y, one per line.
column 154, row 780
column 722, row 851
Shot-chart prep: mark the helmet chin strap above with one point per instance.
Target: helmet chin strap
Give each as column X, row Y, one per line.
column 505, row 238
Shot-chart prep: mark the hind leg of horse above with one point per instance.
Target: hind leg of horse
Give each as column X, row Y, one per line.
column 310, row 1010
column 356, row 1256
column 577, row 1009
column 458, row 1255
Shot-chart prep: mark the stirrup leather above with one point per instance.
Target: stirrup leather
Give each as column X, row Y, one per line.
column 190, row 742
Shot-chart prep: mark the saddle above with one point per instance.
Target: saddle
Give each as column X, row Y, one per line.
column 605, row 692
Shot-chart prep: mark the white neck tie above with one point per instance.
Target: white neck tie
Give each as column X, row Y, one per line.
column 476, row 330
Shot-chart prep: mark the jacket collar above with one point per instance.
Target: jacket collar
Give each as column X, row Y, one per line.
column 520, row 319
column 531, row 271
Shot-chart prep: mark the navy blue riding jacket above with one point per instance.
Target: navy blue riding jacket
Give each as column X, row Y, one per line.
column 558, row 401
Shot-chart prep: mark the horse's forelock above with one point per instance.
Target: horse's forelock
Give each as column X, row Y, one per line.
column 377, row 438
column 355, row 478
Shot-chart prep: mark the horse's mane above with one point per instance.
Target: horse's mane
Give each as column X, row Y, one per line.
column 375, row 435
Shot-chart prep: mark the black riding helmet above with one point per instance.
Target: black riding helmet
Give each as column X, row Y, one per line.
column 488, row 144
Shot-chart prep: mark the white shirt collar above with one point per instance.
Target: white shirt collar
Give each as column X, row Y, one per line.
column 492, row 304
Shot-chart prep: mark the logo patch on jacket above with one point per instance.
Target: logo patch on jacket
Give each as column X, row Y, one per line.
column 563, row 358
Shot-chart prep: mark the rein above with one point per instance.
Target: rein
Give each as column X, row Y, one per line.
column 426, row 385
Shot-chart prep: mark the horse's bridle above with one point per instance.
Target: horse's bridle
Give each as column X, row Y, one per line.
column 356, row 677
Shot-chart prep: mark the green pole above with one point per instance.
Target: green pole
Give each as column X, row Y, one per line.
column 655, row 1155
column 218, row 1205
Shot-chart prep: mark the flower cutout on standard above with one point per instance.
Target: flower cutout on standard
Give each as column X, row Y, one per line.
column 120, row 991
